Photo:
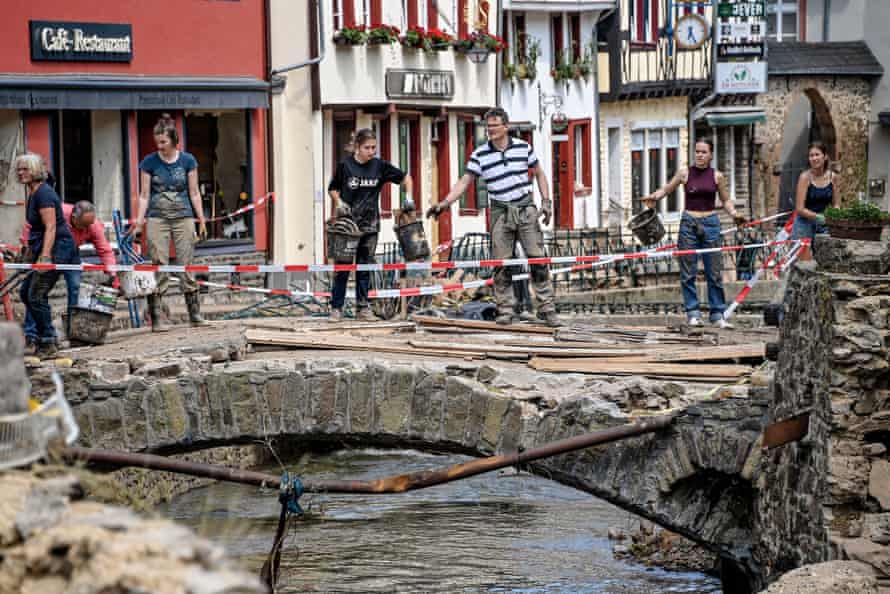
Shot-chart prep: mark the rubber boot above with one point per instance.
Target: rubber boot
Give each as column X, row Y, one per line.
column 154, row 311
column 194, row 307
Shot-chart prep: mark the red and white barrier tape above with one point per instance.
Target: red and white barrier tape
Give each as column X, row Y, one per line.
column 12, row 202
column 375, row 294
column 278, row 268
column 781, row 236
column 256, row 203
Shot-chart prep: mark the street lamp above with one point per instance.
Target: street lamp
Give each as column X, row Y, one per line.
column 477, row 55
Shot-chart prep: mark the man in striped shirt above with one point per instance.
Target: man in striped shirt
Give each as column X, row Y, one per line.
column 504, row 163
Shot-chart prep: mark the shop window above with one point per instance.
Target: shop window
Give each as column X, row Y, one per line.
column 637, row 191
column 782, row 20
column 384, row 150
column 672, row 163
column 469, row 135
column 75, row 176
column 643, row 20
column 220, row 143
column 409, row 155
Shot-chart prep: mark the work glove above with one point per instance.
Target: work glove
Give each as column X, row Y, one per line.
column 739, row 219
column 434, row 211
column 408, row 205
column 820, row 218
column 202, row 231
column 343, row 210
column 136, row 227
column 546, row 212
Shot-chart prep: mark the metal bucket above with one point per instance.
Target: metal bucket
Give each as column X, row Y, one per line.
column 138, row 283
column 412, row 239
column 88, row 325
column 97, row 298
column 647, row 227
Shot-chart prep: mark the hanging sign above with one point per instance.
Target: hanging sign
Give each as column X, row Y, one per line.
column 419, row 84
column 733, row 78
column 62, row 41
column 755, row 9
column 740, row 50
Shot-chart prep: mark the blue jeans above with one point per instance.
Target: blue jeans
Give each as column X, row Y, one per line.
column 35, row 290
column 708, row 236
column 367, row 247
column 806, row 229
column 72, row 281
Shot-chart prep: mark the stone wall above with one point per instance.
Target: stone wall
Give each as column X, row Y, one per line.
column 842, row 105
column 828, row 496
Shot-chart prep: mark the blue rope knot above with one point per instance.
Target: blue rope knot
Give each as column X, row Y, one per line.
column 289, row 493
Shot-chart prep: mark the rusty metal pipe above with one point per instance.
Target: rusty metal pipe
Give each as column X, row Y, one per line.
column 393, row 484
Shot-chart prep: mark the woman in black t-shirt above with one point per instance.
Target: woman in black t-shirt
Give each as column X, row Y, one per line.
column 49, row 242
column 355, row 189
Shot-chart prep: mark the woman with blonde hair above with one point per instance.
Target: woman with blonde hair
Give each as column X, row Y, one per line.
column 169, row 197
column 49, row 242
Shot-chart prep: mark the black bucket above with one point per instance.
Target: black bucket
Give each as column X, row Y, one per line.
column 647, row 227
column 343, row 242
column 413, row 241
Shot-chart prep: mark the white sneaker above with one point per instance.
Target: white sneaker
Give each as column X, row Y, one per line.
column 693, row 322
column 723, row 324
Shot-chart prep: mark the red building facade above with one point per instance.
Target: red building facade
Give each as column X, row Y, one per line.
column 83, row 83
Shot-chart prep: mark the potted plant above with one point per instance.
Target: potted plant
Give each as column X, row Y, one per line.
column 510, row 71
column 438, row 40
column 414, row 37
column 861, row 220
column 351, row 35
column 479, row 40
column 563, row 70
column 532, row 52
column 379, row 34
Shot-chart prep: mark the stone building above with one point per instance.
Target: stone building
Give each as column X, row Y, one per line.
column 816, row 91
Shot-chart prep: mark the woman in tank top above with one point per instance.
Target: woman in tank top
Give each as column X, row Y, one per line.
column 815, row 193
column 699, row 229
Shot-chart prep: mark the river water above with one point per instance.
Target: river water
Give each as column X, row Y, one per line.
column 497, row 532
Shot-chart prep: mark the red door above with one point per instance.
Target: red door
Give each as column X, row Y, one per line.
column 443, row 166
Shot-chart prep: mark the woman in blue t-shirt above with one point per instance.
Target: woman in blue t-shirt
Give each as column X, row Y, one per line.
column 169, row 197
column 49, row 242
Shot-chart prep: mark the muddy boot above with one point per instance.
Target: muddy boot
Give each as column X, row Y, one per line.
column 550, row 319
column 154, row 312
column 31, row 346
column 47, row 350
column 194, row 307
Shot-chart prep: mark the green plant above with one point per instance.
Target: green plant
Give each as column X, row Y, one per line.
column 351, row 35
column 563, row 70
column 860, row 211
column 510, row 71
column 438, row 39
column 532, row 53
column 480, row 40
column 414, row 37
column 379, row 34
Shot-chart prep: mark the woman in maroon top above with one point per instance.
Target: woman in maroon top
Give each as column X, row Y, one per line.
column 700, row 228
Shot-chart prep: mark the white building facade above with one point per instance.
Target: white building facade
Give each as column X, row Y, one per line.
column 549, row 85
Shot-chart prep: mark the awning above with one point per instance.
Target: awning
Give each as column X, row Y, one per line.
column 128, row 92
column 735, row 119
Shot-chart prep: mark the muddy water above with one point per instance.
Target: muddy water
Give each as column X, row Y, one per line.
column 497, row 532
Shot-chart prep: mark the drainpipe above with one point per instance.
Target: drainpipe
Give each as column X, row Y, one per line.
column 321, row 49
column 825, row 20
column 270, row 144
column 597, row 189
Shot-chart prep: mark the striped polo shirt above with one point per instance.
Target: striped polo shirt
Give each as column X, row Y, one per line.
column 505, row 173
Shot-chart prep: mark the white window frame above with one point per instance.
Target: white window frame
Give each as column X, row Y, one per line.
column 661, row 133
column 363, row 12
column 422, row 17
column 579, row 158
column 776, row 9
column 647, row 26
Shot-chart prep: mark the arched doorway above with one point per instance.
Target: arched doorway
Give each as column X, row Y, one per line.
column 807, row 120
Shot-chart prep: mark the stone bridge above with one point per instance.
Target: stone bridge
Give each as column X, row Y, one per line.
column 706, row 476
column 693, row 478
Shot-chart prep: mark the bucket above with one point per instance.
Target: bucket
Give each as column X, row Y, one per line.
column 88, row 325
column 138, row 283
column 413, row 241
column 647, row 227
column 97, row 298
column 343, row 236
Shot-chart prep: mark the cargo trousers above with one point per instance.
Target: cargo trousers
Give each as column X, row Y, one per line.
column 159, row 232
column 512, row 222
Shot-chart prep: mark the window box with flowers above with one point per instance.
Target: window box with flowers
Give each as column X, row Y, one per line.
column 438, row 40
column 479, row 40
column 351, row 35
column 379, row 34
column 414, row 38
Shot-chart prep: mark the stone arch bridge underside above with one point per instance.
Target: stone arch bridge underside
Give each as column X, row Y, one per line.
column 694, row 478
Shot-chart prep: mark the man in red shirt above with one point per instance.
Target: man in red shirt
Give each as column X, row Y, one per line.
column 86, row 228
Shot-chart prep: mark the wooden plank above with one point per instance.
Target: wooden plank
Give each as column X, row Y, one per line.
column 387, row 327
column 611, row 367
column 526, row 349
column 302, row 341
column 481, row 325
column 716, row 353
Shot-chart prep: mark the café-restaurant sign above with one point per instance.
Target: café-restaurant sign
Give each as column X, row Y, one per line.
column 81, row 42
column 419, row 84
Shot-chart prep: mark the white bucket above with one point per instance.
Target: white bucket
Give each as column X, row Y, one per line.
column 138, row 283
